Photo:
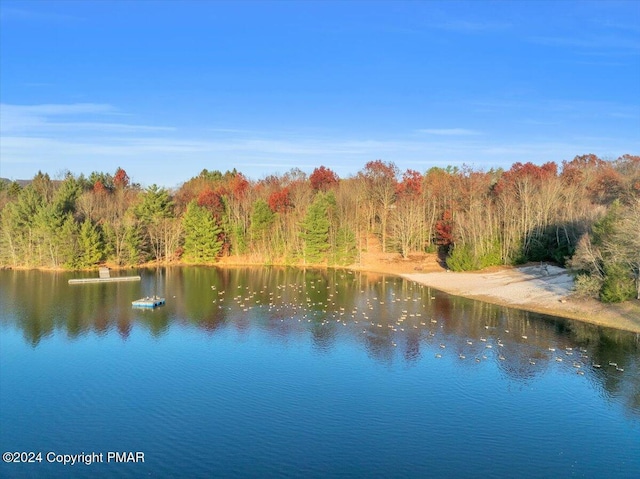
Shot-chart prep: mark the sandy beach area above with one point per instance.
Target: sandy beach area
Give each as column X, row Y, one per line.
column 544, row 289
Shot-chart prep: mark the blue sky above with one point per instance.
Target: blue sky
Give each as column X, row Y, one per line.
column 165, row 89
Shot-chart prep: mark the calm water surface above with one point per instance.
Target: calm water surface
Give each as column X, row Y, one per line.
column 273, row 372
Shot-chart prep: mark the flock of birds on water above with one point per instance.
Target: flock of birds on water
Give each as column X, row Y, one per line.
column 367, row 314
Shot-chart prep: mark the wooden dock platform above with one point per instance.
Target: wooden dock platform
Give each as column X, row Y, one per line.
column 148, row 302
column 115, row 279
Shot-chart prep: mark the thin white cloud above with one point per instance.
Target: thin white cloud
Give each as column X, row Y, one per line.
column 24, row 118
column 52, row 119
column 168, row 160
column 230, row 130
column 59, row 109
column 34, row 138
column 449, row 132
column 609, row 43
column 106, row 127
column 21, row 14
column 468, row 26
column 548, row 108
column 617, row 25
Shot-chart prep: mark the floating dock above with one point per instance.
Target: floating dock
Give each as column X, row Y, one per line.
column 148, row 302
column 104, row 277
column 104, row 280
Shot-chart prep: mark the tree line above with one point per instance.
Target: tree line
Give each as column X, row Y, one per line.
column 584, row 213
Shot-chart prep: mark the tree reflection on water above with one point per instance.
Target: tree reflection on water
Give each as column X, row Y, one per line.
column 393, row 319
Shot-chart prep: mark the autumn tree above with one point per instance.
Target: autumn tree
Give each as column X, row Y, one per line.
column 407, row 215
column 122, row 228
column 628, row 167
column 101, row 181
column 288, row 197
column 238, row 207
column 323, row 179
column 529, row 199
column 351, row 224
column 120, row 179
column 444, row 230
column 381, row 182
column 280, row 201
column 438, row 196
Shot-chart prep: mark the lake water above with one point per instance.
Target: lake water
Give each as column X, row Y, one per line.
column 275, row 372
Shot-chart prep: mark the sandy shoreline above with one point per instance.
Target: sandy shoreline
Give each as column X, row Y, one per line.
column 543, row 289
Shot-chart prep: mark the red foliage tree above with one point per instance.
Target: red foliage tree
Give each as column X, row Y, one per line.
column 444, row 229
column 527, row 171
column 239, row 186
column 280, row 201
column 411, row 184
column 580, row 168
column 212, row 200
column 323, row 178
column 606, row 186
column 380, row 172
column 120, row 179
column 99, row 188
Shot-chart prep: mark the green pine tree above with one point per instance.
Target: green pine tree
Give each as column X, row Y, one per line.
column 315, row 230
column 201, row 235
column 132, row 249
column 90, row 245
column 19, row 233
column 69, row 249
column 618, row 284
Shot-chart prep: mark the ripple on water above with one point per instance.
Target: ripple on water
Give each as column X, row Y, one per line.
column 292, row 390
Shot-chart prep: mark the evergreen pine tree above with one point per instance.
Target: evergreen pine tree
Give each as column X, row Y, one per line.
column 90, row 245
column 69, row 248
column 132, row 250
column 315, row 230
column 201, row 235
column 618, row 284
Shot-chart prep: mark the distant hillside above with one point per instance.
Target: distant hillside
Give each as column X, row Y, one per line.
column 22, row 183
